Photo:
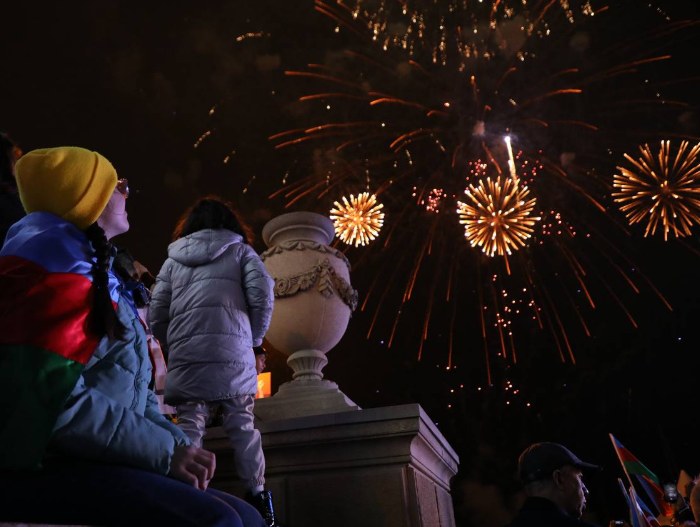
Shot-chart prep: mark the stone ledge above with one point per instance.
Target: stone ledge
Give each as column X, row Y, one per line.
column 374, row 467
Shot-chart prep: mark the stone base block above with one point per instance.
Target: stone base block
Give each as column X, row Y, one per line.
column 379, row 467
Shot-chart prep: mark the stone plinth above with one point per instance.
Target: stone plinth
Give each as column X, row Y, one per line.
column 379, row 467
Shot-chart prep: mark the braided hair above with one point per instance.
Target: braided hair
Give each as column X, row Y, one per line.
column 103, row 319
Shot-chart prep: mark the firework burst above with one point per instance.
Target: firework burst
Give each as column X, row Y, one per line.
column 498, row 217
column 413, row 97
column 430, row 98
column 357, row 221
column 662, row 190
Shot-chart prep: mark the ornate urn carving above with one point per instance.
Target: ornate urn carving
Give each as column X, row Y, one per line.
column 313, row 304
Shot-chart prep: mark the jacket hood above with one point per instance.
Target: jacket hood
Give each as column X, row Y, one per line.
column 203, row 246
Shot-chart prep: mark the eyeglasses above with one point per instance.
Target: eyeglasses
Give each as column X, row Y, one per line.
column 123, row 187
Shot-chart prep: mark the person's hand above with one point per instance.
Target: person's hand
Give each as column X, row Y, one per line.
column 193, row 465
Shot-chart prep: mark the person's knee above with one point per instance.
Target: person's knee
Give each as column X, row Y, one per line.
column 220, row 514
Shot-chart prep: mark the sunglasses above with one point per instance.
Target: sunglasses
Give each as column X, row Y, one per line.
column 123, row 187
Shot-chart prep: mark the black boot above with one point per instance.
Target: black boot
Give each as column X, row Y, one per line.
column 262, row 501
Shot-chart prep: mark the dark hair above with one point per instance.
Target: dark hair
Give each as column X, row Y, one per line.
column 8, row 155
column 103, row 319
column 211, row 212
column 123, row 265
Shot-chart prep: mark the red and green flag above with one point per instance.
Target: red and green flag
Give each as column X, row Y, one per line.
column 644, row 476
column 44, row 342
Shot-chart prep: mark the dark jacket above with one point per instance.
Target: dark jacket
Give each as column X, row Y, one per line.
column 541, row 512
column 11, row 211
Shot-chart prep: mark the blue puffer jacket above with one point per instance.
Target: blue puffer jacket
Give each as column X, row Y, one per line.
column 211, row 304
column 111, row 414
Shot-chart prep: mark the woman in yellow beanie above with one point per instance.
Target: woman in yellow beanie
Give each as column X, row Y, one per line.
column 82, row 440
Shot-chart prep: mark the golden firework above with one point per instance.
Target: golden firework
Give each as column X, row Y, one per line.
column 358, row 220
column 498, row 216
column 664, row 190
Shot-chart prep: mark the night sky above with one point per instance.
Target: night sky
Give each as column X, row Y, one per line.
column 144, row 82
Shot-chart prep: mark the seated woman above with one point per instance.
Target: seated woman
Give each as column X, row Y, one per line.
column 82, row 438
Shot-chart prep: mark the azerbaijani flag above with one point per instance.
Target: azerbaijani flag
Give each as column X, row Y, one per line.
column 45, row 300
column 640, row 515
column 645, row 477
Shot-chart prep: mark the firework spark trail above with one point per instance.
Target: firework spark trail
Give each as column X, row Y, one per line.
column 502, row 316
column 388, row 285
column 453, row 299
column 531, row 293
column 564, row 289
column 301, row 195
column 426, row 320
column 578, row 271
column 408, row 291
column 320, row 76
column 658, row 37
column 499, row 327
column 291, row 188
column 376, row 312
column 395, row 324
column 561, row 329
column 484, row 339
column 610, row 249
column 305, row 186
column 450, row 346
column 386, row 263
column 564, row 178
column 606, row 283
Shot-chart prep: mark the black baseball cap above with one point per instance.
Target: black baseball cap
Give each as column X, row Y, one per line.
column 539, row 460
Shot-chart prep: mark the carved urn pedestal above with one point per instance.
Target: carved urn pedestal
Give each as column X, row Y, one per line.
column 313, row 304
column 328, row 461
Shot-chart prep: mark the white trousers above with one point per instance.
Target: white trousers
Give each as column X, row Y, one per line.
column 238, row 423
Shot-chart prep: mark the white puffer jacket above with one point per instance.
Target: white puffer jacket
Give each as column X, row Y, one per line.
column 211, row 304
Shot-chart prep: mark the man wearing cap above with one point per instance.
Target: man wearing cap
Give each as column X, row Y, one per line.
column 553, row 479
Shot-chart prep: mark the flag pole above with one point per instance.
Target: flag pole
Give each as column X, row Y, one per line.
column 624, row 490
column 619, row 457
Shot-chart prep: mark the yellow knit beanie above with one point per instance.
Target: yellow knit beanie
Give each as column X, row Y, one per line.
column 68, row 181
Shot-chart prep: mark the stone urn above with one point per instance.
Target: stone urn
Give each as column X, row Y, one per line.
column 313, row 304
